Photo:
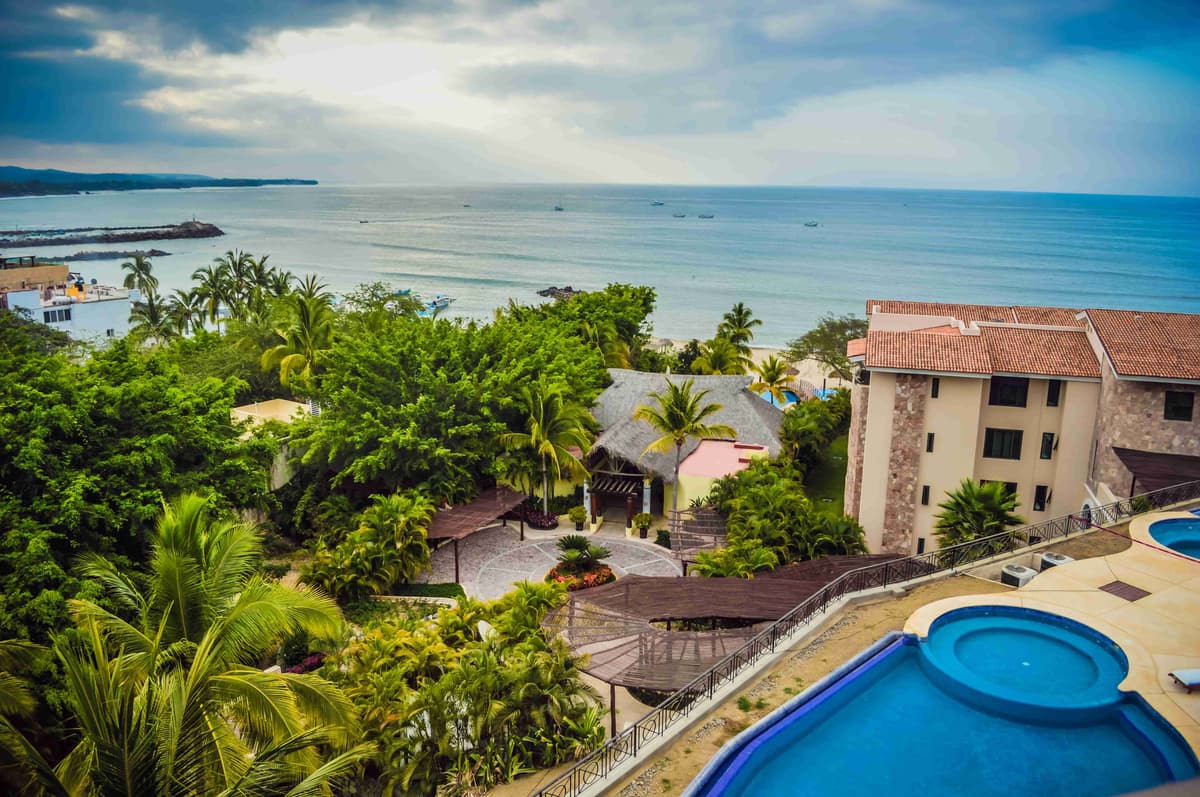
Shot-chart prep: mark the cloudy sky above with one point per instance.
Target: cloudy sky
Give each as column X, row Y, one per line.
column 1068, row 95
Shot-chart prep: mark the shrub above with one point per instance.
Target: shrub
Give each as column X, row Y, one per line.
column 578, row 514
column 540, row 520
column 578, row 555
column 663, row 538
column 643, row 520
column 560, row 574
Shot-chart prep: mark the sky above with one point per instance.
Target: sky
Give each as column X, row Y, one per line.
column 1095, row 96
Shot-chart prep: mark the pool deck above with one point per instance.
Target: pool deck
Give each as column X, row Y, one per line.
column 1158, row 633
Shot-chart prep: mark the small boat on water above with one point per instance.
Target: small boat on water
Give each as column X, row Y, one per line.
column 466, row 206
column 706, row 216
column 679, row 215
column 810, row 224
column 363, row 221
column 558, row 208
column 656, row 204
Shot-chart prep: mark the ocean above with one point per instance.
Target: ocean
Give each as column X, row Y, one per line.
column 959, row 246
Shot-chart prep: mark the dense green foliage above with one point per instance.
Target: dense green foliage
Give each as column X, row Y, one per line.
column 554, row 425
column 975, row 510
column 471, row 700
column 88, row 453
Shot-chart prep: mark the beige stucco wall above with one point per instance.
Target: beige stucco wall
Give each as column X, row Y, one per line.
column 31, row 277
column 876, row 454
column 1074, row 453
column 953, row 417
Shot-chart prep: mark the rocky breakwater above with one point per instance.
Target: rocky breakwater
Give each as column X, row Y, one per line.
column 12, row 239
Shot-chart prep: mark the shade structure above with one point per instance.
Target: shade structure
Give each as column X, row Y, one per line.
column 1153, row 470
column 695, row 530
column 623, row 626
column 456, row 522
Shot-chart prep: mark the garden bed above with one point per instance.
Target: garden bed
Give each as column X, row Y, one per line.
column 577, row 581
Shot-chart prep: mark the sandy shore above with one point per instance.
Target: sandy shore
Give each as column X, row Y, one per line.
column 810, row 371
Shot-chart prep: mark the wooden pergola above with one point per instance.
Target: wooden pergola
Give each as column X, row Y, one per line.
column 457, row 522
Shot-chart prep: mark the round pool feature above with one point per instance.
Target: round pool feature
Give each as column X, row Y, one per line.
column 1021, row 661
column 1181, row 535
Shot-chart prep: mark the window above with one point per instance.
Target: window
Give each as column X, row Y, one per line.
column 920, row 545
column 1053, row 392
column 1047, row 445
column 1178, row 405
column 925, row 495
column 936, row 385
column 1008, row 391
column 929, row 442
column 1041, row 495
column 1002, row 443
column 54, row 316
column 1010, row 488
column 862, row 377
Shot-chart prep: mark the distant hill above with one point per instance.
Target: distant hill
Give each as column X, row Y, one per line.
column 16, row 181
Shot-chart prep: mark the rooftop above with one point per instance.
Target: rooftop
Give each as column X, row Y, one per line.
column 281, row 410
column 1152, row 345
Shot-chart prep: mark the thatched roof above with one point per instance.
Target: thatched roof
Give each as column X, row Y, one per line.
column 754, row 419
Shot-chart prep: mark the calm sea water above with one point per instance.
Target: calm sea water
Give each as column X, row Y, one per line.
column 1076, row 250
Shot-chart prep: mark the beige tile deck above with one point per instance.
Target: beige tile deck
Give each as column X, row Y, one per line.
column 1158, row 633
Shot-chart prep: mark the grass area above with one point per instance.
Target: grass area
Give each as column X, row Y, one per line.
column 448, row 590
column 826, row 485
column 363, row 612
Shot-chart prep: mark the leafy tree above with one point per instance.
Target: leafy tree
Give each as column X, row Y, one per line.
column 555, row 425
column 680, row 414
column 737, row 326
column 975, row 510
column 773, row 379
column 688, row 355
column 719, row 356
column 826, row 343
column 141, row 274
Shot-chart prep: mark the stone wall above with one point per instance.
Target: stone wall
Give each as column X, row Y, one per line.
column 1131, row 416
column 859, row 397
column 908, row 432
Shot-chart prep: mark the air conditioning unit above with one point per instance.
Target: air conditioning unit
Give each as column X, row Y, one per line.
column 1050, row 559
column 1016, row 575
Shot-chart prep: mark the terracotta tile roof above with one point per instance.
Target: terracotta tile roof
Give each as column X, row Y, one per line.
column 1156, row 345
column 963, row 312
column 914, row 351
column 1003, row 350
column 1042, row 316
column 1042, row 352
column 856, row 347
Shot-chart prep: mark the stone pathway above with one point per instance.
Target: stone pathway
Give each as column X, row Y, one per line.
column 493, row 560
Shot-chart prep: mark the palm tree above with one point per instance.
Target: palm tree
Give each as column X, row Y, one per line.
column 772, row 379
column 738, row 325
column 554, row 424
column 835, row 535
column 613, row 350
column 239, row 266
column 741, row 560
column 719, row 356
column 578, row 555
column 186, row 312
column 212, row 289
column 140, row 274
column 151, row 319
column 172, row 701
column 15, row 697
column 312, row 288
column 304, row 341
column 975, row 510
column 680, row 414
column 279, row 281
column 399, row 522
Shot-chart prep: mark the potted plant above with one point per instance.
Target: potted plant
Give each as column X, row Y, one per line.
column 578, row 514
column 643, row 520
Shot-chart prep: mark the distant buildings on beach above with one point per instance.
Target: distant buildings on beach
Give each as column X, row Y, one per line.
column 54, row 295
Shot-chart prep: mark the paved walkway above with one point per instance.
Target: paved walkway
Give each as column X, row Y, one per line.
column 493, row 560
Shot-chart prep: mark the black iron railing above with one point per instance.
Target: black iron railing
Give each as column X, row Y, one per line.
column 598, row 764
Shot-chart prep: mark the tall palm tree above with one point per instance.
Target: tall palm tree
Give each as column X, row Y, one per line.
column 279, row 281
column 150, row 318
column 172, row 701
column 141, row 274
column 312, row 288
column 186, row 311
column 554, row 424
column 15, row 698
column 680, row 414
column 719, row 356
column 603, row 335
column 738, row 325
column 212, row 287
column 772, row 379
column 304, row 341
column 239, row 266
column 975, row 510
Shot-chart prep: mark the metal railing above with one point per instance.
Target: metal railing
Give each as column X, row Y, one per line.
column 598, row 764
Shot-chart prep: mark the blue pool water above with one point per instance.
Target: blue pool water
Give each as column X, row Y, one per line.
column 897, row 724
column 1178, row 534
column 789, row 396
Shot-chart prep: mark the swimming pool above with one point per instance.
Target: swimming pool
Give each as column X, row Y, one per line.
column 790, row 398
column 1178, row 534
column 996, row 701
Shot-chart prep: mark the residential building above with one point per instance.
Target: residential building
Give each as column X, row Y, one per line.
column 63, row 300
column 1067, row 408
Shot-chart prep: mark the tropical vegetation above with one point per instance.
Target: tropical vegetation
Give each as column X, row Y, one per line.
column 826, row 343
column 974, row 510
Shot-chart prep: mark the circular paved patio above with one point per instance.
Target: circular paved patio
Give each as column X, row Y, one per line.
column 493, row 560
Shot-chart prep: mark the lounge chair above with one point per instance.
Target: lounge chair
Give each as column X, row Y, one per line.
column 1188, row 679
